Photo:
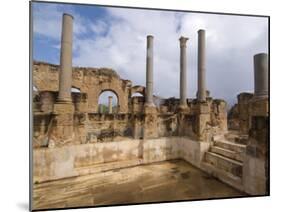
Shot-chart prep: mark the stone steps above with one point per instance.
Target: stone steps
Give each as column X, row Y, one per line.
column 227, row 153
column 226, row 164
column 224, row 160
column 240, row 148
column 223, row 176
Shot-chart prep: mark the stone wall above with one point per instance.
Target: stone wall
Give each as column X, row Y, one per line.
column 244, row 112
column 76, row 160
column 91, row 81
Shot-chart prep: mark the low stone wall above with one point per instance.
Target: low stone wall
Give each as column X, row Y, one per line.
column 75, row 160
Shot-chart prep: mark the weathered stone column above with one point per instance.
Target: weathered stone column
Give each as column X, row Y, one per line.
column 183, row 72
column 110, row 104
column 201, row 94
column 261, row 75
column 149, row 72
column 62, row 132
column 65, row 76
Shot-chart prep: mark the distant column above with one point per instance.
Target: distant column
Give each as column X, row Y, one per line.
column 65, row 76
column 201, row 66
column 149, row 72
column 110, row 104
column 261, row 74
column 183, row 71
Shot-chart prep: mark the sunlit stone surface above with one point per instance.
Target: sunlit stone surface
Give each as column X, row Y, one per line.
column 163, row 181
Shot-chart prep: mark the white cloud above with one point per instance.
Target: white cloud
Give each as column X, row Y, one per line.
column 119, row 42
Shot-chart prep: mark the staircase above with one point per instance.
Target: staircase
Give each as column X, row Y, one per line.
column 224, row 160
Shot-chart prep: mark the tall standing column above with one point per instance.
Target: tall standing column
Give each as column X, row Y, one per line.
column 149, row 72
column 261, row 75
column 201, row 94
column 65, row 76
column 110, row 104
column 183, row 71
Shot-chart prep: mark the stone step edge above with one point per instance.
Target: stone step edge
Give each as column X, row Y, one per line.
column 223, row 176
column 230, row 143
column 238, row 163
column 226, row 150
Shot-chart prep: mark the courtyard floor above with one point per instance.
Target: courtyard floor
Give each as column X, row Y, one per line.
column 163, row 181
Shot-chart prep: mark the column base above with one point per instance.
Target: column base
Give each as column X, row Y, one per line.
column 150, row 129
column 63, row 108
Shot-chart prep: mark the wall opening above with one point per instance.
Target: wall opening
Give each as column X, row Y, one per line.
column 108, row 102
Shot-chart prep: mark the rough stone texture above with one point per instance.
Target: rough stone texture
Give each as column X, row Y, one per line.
column 244, row 111
column 256, row 162
column 233, row 118
column 91, row 81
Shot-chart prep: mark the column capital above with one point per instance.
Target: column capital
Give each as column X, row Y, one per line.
column 183, row 41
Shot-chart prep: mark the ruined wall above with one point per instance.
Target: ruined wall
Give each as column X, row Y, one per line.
column 132, row 120
column 233, row 118
column 244, row 112
column 77, row 160
column 91, row 81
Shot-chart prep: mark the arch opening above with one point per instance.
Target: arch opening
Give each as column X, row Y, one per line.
column 108, row 102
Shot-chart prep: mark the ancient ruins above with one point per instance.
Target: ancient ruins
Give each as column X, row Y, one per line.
column 71, row 137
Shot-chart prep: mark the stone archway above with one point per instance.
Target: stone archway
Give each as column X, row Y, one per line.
column 103, row 101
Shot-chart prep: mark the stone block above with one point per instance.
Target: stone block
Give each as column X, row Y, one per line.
column 203, row 108
column 259, row 107
column 63, row 108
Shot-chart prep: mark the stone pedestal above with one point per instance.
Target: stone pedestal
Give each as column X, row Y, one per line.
column 150, row 129
column 62, row 132
column 202, row 118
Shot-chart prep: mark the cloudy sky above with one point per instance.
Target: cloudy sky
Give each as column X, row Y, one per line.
column 116, row 38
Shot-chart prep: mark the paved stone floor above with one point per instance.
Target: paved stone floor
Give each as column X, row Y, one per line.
column 163, row 181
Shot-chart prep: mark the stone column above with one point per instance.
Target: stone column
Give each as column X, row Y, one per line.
column 261, row 75
column 110, row 104
column 183, row 72
column 201, row 94
column 65, row 76
column 149, row 72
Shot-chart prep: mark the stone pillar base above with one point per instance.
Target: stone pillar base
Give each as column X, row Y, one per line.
column 183, row 109
column 202, row 118
column 150, row 129
column 259, row 106
column 62, row 131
